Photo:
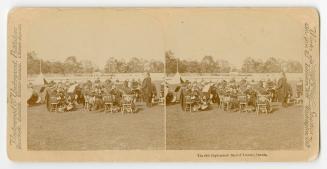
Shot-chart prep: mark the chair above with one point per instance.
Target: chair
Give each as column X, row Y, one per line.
column 188, row 104
column 226, row 100
column 53, row 100
column 243, row 102
column 154, row 100
column 86, row 103
column 161, row 100
column 262, row 104
column 137, row 94
column 108, row 103
column 221, row 102
column 128, row 104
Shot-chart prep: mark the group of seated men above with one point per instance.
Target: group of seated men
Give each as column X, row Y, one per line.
column 203, row 94
column 89, row 95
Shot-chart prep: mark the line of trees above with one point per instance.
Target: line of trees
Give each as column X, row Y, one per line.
column 271, row 65
column 68, row 66
column 137, row 65
column 208, row 65
column 133, row 65
column 71, row 65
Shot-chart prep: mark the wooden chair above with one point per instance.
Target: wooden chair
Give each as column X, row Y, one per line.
column 128, row 104
column 262, row 104
column 188, row 104
column 108, row 103
column 226, row 100
column 86, row 103
column 161, row 101
column 221, row 102
column 53, row 100
column 243, row 102
column 137, row 94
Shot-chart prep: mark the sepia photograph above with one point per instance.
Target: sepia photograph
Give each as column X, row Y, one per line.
column 163, row 84
column 94, row 86
column 233, row 85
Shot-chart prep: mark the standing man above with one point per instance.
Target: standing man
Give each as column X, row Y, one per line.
column 147, row 89
column 282, row 89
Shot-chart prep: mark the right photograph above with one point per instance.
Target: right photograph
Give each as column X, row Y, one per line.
column 234, row 81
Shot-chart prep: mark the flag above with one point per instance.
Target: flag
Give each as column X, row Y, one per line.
column 182, row 81
column 45, row 81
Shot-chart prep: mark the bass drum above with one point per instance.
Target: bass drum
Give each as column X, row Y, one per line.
column 170, row 98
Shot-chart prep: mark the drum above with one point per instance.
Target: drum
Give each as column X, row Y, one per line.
column 170, row 98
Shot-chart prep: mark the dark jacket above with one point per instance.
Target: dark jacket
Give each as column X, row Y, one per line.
column 147, row 87
column 282, row 89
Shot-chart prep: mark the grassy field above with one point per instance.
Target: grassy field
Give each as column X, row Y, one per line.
column 213, row 129
column 80, row 130
column 217, row 129
column 145, row 130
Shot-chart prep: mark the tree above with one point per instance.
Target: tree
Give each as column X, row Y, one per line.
column 87, row 66
column 135, row 65
column 33, row 63
column 207, row 64
column 224, row 66
column 171, row 62
column 111, row 65
column 294, row 67
column 249, row 65
column 272, row 65
column 156, row 66
column 71, row 65
column 57, row 67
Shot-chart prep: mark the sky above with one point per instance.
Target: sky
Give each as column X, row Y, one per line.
column 235, row 35
column 95, row 36
column 227, row 34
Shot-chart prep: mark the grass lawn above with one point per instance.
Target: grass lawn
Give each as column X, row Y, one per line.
column 220, row 130
column 81, row 130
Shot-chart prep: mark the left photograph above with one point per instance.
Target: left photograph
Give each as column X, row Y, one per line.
column 95, row 81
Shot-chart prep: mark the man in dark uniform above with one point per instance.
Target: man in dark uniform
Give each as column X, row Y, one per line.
column 185, row 91
column 282, row 89
column 147, row 89
column 270, row 89
column 117, row 95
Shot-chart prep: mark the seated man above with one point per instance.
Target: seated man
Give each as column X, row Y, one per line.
column 98, row 104
column 213, row 94
column 117, row 95
column 233, row 93
column 270, row 86
column 260, row 89
column 196, row 98
column 61, row 100
column 69, row 104
column 252, row 96
column 126, row 89
column 78, row 95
